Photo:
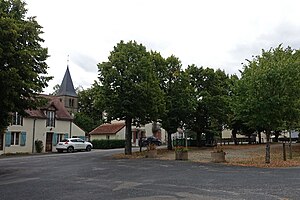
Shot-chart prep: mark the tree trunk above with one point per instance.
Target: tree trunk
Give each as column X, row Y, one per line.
column 259, row 137
column 290, row 146
column 198, row 139
column 268, row 147
column 128, row 136
column 234, row 132
column 277, row 133
column 249, row 138
column 169, row 140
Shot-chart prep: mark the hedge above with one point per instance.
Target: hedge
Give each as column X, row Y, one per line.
column 181, row 142
column 108, row 144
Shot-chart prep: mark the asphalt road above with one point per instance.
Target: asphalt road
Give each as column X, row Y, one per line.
column 95, row 175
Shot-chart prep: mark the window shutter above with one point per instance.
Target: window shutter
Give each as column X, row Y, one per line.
column 54, row 139
column 7, row 138
column 66, row 135
column 23, row 139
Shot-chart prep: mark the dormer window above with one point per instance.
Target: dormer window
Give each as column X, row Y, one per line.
column 50, row 118
column 17, row 119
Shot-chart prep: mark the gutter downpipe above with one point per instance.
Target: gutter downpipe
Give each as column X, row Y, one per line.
column 33, row 135
column 71, row 129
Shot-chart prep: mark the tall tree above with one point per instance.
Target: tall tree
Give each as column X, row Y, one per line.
column 179, row 96
column 22, row 60
column 130, row 86
column 268, row 92
column 90, row 108
column 212, row 95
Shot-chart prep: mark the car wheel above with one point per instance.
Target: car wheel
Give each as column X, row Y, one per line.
column 60, row 150
column 70, row 149
column 88, row 148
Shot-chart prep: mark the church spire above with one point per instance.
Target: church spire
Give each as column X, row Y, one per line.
column 67, row 87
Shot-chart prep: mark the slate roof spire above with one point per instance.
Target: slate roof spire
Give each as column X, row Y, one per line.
column 67, row 87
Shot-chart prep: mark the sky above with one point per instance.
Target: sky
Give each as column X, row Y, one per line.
column 209, row 33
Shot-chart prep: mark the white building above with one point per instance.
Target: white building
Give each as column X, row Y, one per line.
column 116, row 130
column 50, row 124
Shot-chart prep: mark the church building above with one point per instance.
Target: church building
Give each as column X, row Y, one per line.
column 67, row 93
column 50, row 123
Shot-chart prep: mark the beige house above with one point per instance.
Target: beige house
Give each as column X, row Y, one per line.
column 116, row 130
column 50, row 124
column 226, row 133
column 113, row 131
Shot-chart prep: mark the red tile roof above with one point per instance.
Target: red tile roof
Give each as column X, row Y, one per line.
column 53, row 101
column 106, row 129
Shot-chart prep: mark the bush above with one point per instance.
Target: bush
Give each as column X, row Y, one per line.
column 181, row 142
column 108, row 144
column 39, row 146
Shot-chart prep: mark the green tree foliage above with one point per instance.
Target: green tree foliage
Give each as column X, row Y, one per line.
column 268, row 93
column 22, row 60
column 212, row 90
column 90, row 108
column 55, row 89
column 179, row 96
column 130, row 86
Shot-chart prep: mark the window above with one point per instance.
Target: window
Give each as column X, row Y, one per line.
column 80, row 140
column 15, row 138
column 17, row 119
column 71, row 102
column 107, row 137
column 50, row 118
column 60, row 138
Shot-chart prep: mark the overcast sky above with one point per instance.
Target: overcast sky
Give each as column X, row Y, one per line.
column 209, row 33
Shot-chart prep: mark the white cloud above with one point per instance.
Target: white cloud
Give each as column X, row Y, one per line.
column 215, row 33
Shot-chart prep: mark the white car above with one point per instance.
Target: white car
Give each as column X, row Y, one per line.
column 73, row 144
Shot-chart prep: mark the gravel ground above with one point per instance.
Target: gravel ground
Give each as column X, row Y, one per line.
column 246, row 155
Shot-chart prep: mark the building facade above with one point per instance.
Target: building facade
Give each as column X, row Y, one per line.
column 50, row 124
column 116, row 130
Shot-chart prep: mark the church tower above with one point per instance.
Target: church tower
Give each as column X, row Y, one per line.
column 67, row 93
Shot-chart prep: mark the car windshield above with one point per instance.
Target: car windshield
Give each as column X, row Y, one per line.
column 64, row 140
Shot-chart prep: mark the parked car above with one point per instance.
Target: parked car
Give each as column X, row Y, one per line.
column 73, row 144
column 145, row 141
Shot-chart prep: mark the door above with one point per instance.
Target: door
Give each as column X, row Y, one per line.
column 75, row 144
column 49, row 137
column 1, row 141
column 81, row 144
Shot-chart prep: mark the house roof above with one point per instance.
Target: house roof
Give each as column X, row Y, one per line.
column 106, row 129
column 67, row 88
column 53, row 102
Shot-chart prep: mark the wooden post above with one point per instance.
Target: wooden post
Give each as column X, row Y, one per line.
column 284, row 153
column 290, row 146
column 268, row 147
